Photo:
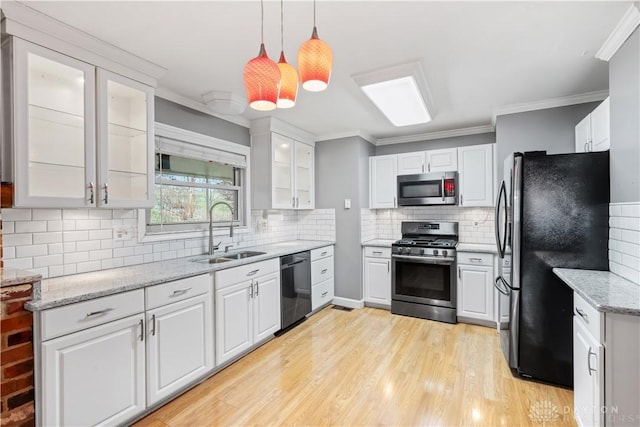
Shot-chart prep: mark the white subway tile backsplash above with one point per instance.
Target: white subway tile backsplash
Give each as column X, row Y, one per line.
column 76, row 257
column 74, row 236
column 46, row 214
column 8, row 227
column 55, row 248
column 69, row 247
column 100, row 234
column 9, row 253
column 122, row 252
column 30, row 251
column 132, row 260
column 48, row 260
column 19, row 263
column 16, row 214
column 100, row 214
column 54, row 237
column 89, row 245
column 69, row 269
column 84, row 267
column 624, row 240
column 89, row 224
column 56, row 270
column 54, row 225
column 75, row 214
column 16, row 239
column 30, row 226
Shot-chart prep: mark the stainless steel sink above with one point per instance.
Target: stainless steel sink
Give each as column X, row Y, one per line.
column 230, row 257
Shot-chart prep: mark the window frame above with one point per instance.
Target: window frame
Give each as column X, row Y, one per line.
column 200, row 229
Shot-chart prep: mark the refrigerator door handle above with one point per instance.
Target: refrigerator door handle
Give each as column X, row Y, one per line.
column 503, row 290
column 501, row 241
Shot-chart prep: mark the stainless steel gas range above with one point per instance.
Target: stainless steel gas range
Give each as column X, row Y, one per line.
column 423, row 271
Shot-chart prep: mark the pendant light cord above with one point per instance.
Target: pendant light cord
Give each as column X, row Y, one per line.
column 282, row 24
column 262, row 21
column 314, row 13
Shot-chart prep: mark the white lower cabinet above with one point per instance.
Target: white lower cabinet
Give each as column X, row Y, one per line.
column 180, row 345
column 322, row 277
column 377, row 276
column 95, row 376
column 475, row 287
column 247, row 301
column 588, row 363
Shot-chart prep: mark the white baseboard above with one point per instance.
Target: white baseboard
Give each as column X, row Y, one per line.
column 346, row 302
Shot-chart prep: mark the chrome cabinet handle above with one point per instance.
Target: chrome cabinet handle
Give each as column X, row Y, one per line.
column 442, row 186
column 323, row 253
column 423, row 168
column 141, row 330
column 429, row 167
column 377, row 252
column 297, row 202
column 106, row 193
column 293, row 202
column 583, row 315
column 180, row 292
column 324, row 294
column 99, row 312
column 253, row 272
column 257, row 289
column 461, row 199
column 589, row 368
column 388, row 266
column 91, row 199
column 394, row 202
column 475, row 259
column 251, row 291
column 459, row 273
column 323, row 271
column 153, row 325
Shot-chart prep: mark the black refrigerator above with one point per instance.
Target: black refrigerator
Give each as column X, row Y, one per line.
column 552, row 211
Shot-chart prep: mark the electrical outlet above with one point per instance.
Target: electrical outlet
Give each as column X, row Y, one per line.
column 122, row 233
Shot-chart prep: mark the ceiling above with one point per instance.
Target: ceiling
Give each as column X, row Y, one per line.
column 477, row 56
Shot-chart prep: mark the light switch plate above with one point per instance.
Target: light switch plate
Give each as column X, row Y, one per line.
column 347, row 203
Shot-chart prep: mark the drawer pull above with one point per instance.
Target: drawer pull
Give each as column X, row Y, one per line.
column 253, row 272
column 180, row 292
column 99, row 312
column 257, row 289
column 323, row 253
column 141, row 330
column 583, row 315
column 323, row 271
column 377, row 252
column 324, row 294
column 153, row 325
column 475, row 259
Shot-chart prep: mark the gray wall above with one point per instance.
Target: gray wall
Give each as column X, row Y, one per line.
column 342, row 172
column 552, row 130
column 435, row 144
column 177, row 115
column 624, row 90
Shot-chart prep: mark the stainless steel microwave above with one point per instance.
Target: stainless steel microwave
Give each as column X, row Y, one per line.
column 425, row 189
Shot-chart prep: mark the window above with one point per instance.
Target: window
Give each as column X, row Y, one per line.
column 190, row 178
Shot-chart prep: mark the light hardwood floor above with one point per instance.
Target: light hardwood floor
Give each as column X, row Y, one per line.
column 369, row 367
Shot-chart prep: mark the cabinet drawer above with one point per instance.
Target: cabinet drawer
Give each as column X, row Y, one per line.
column 321, row 270
column 235, row 275
column 321, row 294
column 589, row 317
column 475, row 258
column 321, row 252
column 177, row 290
column 376, row 252
column 74, row 317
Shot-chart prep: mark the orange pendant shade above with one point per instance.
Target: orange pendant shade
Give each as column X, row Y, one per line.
column 314, row 62
column 288, row 84
column 262, row 81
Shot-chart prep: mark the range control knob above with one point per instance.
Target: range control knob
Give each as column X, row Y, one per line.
column 435, row 252
column 421, row 251
column 399, row 250
column 444, row 253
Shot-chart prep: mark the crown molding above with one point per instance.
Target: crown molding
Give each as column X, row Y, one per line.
column 169, row 95
column 627, row 25
column 265, row 125
column 337, row 135
column 436, row 135
column 22, row 21
column 543, row 104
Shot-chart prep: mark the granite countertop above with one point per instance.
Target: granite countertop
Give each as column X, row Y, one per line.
column 477, row 247
column 14, row 276
column 605, row 291
column 65, row 290
column 380, row 243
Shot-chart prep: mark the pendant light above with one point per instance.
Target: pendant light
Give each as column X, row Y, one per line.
column 262, row 77
column 289, row 75
column 314, row 61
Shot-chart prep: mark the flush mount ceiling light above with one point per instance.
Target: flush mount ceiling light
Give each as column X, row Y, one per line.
column 289, row 75
column 262, row 76
column 315, row 60
column 224, row 102
column 400, row 93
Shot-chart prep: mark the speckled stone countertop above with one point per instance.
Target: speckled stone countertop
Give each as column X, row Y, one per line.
column 14, row 276
column 605, row 291
column 477, row 247
column 380, row 243
column 65, row 290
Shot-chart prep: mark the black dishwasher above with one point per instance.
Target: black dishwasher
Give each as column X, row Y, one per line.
column 295, row 287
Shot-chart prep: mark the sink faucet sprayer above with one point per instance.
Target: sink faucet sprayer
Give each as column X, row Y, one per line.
column 211, row 246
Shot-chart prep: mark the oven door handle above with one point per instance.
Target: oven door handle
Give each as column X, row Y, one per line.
column 421, row 260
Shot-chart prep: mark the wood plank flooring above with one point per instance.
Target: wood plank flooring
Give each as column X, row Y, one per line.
column 369, row 367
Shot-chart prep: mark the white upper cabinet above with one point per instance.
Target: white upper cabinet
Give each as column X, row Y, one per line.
column 592, row 133
column 282, row 169
column 444, row 160
column 383, row 182
column 58, row 107
column 476, row 175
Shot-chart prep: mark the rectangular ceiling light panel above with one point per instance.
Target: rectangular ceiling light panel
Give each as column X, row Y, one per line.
column 398, row 94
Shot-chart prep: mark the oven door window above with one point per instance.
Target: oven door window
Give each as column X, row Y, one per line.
column 426, row 283
column 420, row 189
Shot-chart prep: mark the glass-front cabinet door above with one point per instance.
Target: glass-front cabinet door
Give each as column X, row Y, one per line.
column 125, row 142
column 304, row 184
column 53, row 128
column 282, row 172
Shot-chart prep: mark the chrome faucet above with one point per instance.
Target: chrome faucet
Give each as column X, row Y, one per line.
column 212, row 248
